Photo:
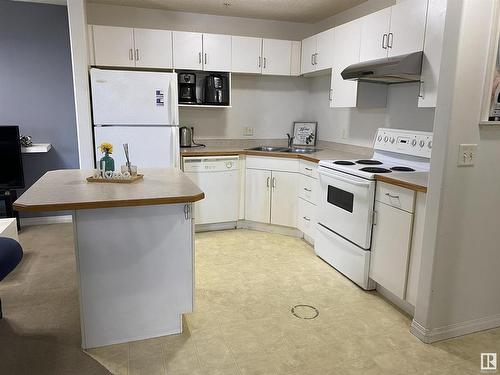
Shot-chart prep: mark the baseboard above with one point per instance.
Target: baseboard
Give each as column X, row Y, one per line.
column 42, row 220
column 253, row 225
column 215, row 226
column 453, row 330
column 395, row 300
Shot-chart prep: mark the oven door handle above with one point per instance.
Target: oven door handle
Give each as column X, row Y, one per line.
column 345, row 179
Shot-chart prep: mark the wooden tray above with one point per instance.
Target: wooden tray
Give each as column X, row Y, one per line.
column 116, row 181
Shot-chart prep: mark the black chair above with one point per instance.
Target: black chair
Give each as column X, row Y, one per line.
column 11, row 254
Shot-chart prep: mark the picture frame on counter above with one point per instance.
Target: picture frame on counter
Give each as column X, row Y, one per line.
column 304, row 133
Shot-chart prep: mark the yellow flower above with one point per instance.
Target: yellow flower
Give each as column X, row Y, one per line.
column 106, row 147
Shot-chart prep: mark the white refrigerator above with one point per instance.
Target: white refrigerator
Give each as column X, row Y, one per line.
column 139, row 108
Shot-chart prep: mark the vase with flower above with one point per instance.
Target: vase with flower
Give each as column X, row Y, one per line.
column 106, row 163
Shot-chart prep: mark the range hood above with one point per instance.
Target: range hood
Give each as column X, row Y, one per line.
column 395, row 69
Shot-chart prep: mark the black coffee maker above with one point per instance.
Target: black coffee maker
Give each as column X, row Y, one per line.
column 216, row 90
column 187, row 88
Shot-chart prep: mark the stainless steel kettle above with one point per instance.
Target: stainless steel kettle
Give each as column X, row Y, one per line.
column 186, row 136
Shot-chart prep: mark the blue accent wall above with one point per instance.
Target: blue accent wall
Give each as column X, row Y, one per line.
column 36, row 84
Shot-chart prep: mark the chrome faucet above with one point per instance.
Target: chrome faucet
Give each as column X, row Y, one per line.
column 290, row 140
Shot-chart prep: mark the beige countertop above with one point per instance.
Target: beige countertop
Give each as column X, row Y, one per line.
column 68, row 190
column 314, row 157
column 415, row 181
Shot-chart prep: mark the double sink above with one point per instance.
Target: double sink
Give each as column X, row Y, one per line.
column 293, row 150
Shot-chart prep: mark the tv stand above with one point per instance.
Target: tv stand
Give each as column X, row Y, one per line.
column 9, row 197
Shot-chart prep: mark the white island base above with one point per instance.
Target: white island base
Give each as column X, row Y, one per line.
column 135, row 271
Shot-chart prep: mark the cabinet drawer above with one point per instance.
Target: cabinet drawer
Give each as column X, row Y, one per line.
column 274, row 164
column 308, row 189
column 306, row 221
column 395, row 196
column 309, row 169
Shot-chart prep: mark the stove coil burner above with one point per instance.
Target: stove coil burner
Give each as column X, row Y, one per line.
column 403, row 169
column 369, row 162
column 375, row 170
column 344, row 162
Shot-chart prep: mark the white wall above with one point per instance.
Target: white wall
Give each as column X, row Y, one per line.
column 459, row 283
column 269, row 104
column 357, row 125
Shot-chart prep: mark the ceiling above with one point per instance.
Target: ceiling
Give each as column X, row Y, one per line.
column 308, row 11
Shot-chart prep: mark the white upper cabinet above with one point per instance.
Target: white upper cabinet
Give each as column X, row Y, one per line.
column 153, row 48
column 394, row 31
column 317, row 52
column 114, row 46
column 308, row 51
column 374, row 35
column 276, row 56
column 324, row 50
column 433, row 46
column 246, row 54
column 407, row 29
column 295, row 63
column 217, row 52
column 188, row 50
column 346, row 43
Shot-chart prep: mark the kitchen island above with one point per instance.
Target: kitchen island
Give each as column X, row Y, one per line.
column 134, row 246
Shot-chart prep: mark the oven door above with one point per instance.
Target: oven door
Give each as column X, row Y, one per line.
column 346, row 205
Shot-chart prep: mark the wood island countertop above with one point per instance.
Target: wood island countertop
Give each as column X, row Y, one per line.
column 68, row 189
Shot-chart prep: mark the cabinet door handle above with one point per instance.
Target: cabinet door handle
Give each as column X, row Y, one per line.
column 390, row 39
column 308, row 169
column 187, row 211
column 131, row 54
column 308, row 190
column 384, row 41
column 421, row 91
column 199, row 57
column 392, row 196
column 312, row 59
column 330, row 95
column 267, row 182
column 374, row 218
column 265, row 63
column 260, row 59
column 315, row 59
column 274, row 182
column 206, row 58
column 137, row 54
column 306, row 218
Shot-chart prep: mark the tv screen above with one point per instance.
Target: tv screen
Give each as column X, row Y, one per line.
column 11, row 164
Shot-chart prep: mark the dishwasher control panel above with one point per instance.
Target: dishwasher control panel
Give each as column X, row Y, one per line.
column 210, row 163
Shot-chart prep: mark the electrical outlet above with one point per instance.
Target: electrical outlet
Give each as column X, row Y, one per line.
column 467, row 154
column 248, row 131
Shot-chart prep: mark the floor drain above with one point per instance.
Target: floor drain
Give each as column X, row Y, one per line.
column 305, row 311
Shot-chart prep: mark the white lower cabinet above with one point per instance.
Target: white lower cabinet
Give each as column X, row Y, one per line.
column 394, row 246
column 306, row 218
column 284, row 198
column 271, row 197
column 391, row 248
column 258, row 195
column 271, row 190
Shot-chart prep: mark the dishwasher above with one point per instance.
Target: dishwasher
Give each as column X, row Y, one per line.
column 219, row 179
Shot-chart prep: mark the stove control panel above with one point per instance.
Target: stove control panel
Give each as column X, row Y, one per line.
column 406, row 142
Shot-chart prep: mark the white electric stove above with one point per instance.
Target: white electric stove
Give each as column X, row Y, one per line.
column 345, row 209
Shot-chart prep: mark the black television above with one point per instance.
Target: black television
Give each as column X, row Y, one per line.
column 11, row 163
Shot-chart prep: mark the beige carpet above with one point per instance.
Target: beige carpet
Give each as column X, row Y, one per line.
column 246, row 285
